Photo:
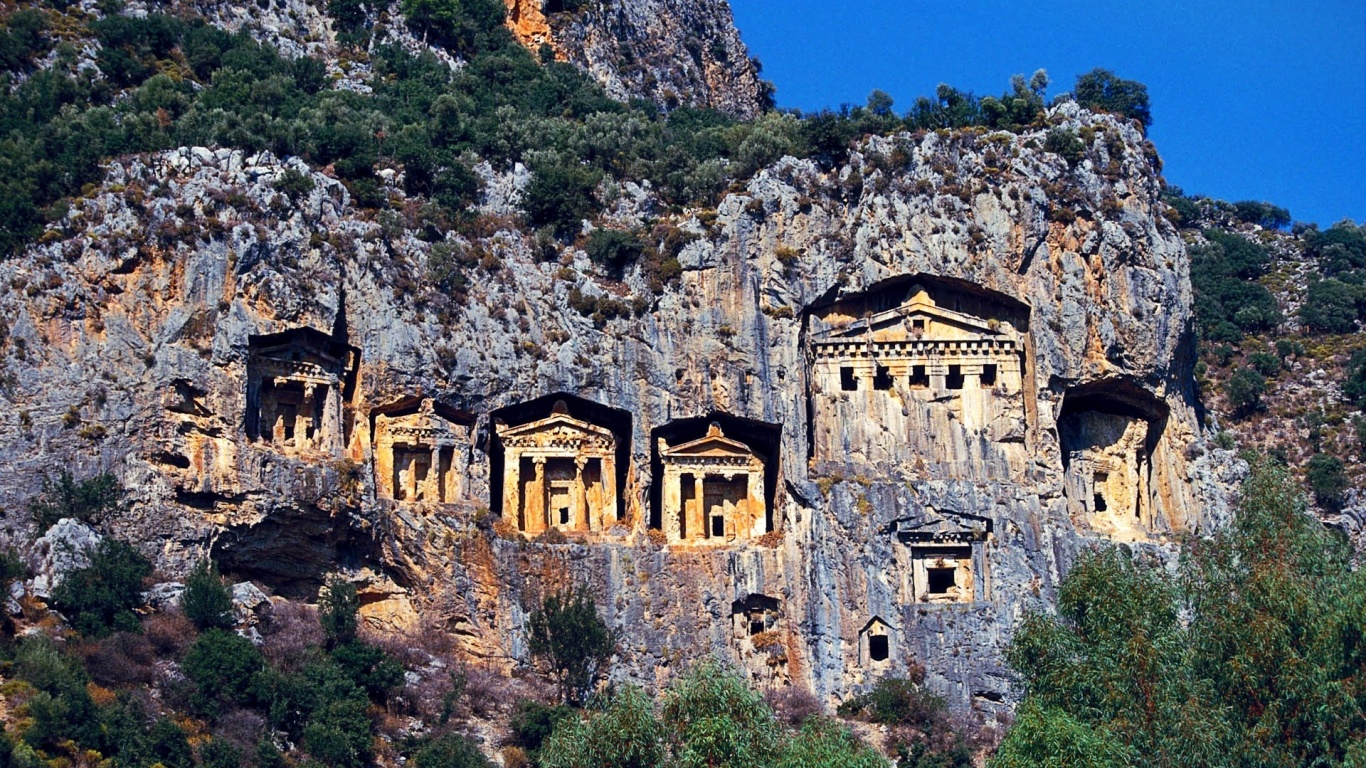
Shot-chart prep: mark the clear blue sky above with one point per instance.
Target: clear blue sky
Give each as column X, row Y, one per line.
column 1250, row 100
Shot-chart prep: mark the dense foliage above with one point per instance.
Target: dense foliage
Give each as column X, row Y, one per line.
column 89, row 501
column 207, row 601
column 1254, row 654
column 100, row 598
column 708, row 718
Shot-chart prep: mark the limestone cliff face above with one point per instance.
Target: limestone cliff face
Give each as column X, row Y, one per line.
column 957, row 359
column 669, row 52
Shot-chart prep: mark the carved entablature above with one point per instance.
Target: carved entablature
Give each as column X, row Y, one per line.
column 559, row 472
column 920, row 345
column 948, row 556
column 297, row 382
column 713, row 491
column 421, row 452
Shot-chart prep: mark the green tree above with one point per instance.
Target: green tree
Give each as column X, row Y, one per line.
column 624, row 733
column 1354, row 385
column 714, row 720
column 1327, row 479
column 1252, row 654
column 1065, row 143
column 100, row 599
column 223, row 667
column 560, row 196
column 206, row 601
column 567, row 634
column 825, row 743
column 1244, row 390
column 90, row 501
column 1329, row 307
column 339, row 610
column 1101, row 90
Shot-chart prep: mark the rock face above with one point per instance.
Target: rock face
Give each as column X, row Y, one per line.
column 947, row 365
column 672, row 53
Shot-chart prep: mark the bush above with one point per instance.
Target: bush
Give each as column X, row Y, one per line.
column 613, row 249
column 1244, row 390
column 824, row 742
column 223, row 667
column 1354, row 386
column 1262, row 214
column 624, row 733
column 101, row 598
column 560, row 196
column 898, row 701
column 566, row 633
column 1327, row 479
column 1329, row 307
column 451, row 751
column 713, row 718
column 206, row 601
column 1065, row 143
column 1101, row 90
column 90, row 501
column 371, row 668
column 533, row 723
column 338, row 612
column 1265, row 363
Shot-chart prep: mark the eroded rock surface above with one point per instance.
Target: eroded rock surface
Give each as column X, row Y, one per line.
column 1017, row 334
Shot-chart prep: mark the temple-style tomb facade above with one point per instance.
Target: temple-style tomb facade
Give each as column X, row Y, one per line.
column 559, row 472
column 713, row 491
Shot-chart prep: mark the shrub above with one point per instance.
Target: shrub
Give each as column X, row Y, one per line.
column 566, row 633
column 1101, row 90
column 1329, row 307
column 101, row 598
column 898, row 701
column 1354, row 386
column 613, row 249
column 373, row 670
column 624, row 733
column 89, row 501
column 560, row 196
column 1262, row 214
column 1327, row 479
column 1244, row 390
column 122, row 658
column 338, row 612
column 223, row 667
column 824, row 742
column 206, row 601
column 220, row 753
column 1264, row 363
column 1064, row 143
column 533, row 723
column 451, row 751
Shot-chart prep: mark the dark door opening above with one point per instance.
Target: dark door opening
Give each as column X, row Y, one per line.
column 847, row 381
column 878, row 647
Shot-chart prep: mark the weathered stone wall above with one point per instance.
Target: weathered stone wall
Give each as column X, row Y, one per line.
column 128, row 345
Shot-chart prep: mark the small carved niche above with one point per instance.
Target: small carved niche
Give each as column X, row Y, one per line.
column 875, row 642
column 559, row 471
column 755, row 615
column 297, row 382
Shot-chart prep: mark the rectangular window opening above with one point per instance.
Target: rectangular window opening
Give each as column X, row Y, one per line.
column 718, row 526
column 941, row 580
column 955, row 377
column 989, row 375
column 756, row 626
column 919, row 378
column 882, row 380
column 918, row 324
column 564, row 515
column 847, row 381
column 1100, row 504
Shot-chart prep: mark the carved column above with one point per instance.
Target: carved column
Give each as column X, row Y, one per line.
column 699, row 527
column 536, row 520
column 512, row 499
column 757, row 503
column 609, row 485
column 584, row 519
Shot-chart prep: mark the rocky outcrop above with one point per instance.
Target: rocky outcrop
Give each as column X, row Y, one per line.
column 913, row 516
column 671, row 53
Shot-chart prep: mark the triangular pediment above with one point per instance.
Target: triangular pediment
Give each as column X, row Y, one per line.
column 900, row 323
column 946, row 525
column 558, row 423
column 714, row 443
